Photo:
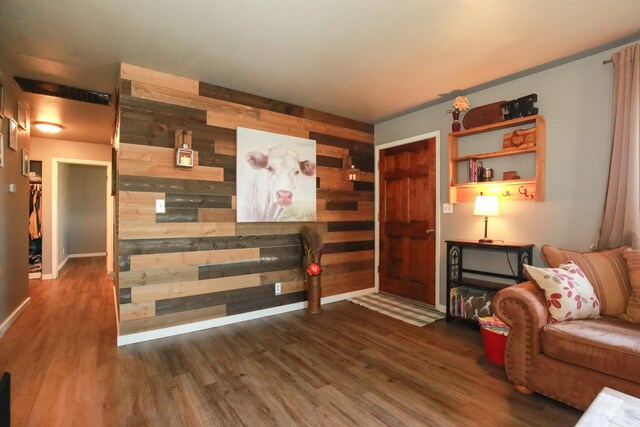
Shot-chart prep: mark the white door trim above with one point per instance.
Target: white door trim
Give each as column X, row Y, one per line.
column 436, row 135
column 55, row 163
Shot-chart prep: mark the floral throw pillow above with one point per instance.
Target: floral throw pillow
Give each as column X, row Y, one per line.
column 567, row 290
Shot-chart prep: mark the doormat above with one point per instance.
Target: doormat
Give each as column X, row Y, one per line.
column 414, row 314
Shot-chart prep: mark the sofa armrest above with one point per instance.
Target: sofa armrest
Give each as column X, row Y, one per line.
column 523, row 308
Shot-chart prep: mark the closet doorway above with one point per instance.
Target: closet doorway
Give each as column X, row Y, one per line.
column 82, row 211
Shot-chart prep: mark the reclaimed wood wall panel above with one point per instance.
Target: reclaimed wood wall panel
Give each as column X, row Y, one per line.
column 194, row 262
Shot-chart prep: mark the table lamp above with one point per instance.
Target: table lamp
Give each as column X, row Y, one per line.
column 486, row 206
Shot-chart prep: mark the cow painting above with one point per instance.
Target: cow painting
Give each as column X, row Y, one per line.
column 276, row 177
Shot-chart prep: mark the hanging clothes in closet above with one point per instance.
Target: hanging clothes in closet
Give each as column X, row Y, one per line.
column 35, row 225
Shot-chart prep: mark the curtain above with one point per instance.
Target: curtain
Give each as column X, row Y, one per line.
column 621, row 219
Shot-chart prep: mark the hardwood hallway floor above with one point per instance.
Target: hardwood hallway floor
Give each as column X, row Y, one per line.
column 346, row 366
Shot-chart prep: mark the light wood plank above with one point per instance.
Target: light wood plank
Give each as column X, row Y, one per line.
column 163, row 170
column 222, row 119
column 176, row 230
column 292, row 275
column 225, row 147
column 149, row 153
column 137, row 311
column 176, row 259
column 364, row 215
column 250, row 228
column 197, row 287
column 347, row 282
column 290, row 287
column 136, row 214
column 331, row 151
column 349, row 236
column 216, row 215
column 139, row 198
column 343, row 257
column 128, row 279
column 332, row 178
column 145, row 75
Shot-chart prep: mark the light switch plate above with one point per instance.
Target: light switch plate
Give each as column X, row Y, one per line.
column 12, row 188
column 447, row 208
column 160, row 206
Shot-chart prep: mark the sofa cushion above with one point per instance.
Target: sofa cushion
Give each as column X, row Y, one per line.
column 607, row 345
column 606, row 271
column 568, row 293
column 632, row 256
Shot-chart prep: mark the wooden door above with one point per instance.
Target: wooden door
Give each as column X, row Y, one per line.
column 407, row 220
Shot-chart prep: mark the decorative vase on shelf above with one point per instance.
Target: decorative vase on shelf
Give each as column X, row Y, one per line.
column 455, row 126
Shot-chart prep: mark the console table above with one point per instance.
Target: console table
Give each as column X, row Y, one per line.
column 456, row 271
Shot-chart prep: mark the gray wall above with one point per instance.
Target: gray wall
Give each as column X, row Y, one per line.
column 576, row 100
column 14, row 214
column 64, row 171
column 87, row 209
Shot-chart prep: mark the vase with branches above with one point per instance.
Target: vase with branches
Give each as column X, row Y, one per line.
column 312, row 236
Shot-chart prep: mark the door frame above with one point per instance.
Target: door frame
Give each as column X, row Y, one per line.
column 436, row 135
column 55, row 163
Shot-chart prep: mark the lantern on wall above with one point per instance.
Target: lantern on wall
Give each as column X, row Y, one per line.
column 184, row 153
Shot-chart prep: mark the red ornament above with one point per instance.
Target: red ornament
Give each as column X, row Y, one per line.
column 313, row 269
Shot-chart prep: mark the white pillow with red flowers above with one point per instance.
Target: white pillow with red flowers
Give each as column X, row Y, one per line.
column 568, row 293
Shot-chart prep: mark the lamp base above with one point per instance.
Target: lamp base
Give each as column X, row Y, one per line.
column 485, row 240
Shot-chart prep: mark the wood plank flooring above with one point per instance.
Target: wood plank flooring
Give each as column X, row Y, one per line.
column 346, row 366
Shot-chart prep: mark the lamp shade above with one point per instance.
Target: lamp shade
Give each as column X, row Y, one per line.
column 486, row 206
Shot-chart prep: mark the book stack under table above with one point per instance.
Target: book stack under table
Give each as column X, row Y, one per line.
column 469, row 296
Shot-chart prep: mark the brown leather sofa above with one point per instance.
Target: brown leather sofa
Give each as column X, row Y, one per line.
column 569, row 361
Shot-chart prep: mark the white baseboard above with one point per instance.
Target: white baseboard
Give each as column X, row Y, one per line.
column 441, row 308
column 63, row 263
column 13, row 316
column 47, row 277
column 35, row 275
column 88, row 255
column 228, row 320
column 115, row 305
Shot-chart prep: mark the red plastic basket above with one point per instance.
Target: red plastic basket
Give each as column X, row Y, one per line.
column 494, row 346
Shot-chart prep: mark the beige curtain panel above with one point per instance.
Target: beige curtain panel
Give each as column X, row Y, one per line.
column 621, row 220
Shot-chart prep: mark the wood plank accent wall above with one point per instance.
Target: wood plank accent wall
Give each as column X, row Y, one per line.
column 194, row 262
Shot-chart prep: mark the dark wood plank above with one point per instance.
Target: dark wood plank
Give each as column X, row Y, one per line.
column 350, row 226
column 263, row 266
column 173, row 200
column 321, row 116
column 332, row 194
column 332, row 162
column 159, row 246
column 247, row 305
column 177, row 215
column 341, row 205
column 364, row 186
column 332, row 248
column 206, row 157
column 178, row 186
column 195, row 302
column 238, row 97
column 125, row 295
column 334, row 141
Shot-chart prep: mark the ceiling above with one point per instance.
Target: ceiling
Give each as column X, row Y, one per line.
column 363, row 59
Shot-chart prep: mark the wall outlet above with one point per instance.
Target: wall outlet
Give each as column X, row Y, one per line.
column 278, row 287
column 160, row 206
column 447, row 208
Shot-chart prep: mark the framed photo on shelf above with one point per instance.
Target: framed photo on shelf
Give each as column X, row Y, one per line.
column 1, row 150
column 22, row 116
column 25, row 162
column 13, row 135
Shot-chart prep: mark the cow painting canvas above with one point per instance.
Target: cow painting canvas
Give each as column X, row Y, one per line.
column 276, row 177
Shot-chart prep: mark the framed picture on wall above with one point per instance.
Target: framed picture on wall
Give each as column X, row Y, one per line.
column 25, row 162
column 1, row 151
column 13, row 135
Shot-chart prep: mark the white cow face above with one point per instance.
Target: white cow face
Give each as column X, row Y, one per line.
column 283, row 169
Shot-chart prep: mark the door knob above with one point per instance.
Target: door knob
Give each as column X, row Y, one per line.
column 430, row 230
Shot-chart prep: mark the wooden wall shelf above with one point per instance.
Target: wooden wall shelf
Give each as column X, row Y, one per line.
column 521, row 189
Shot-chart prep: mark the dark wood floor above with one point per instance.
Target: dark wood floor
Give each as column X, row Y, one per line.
column 346, row 366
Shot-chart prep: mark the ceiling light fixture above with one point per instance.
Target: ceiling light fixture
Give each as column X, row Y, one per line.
column 48, row 127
